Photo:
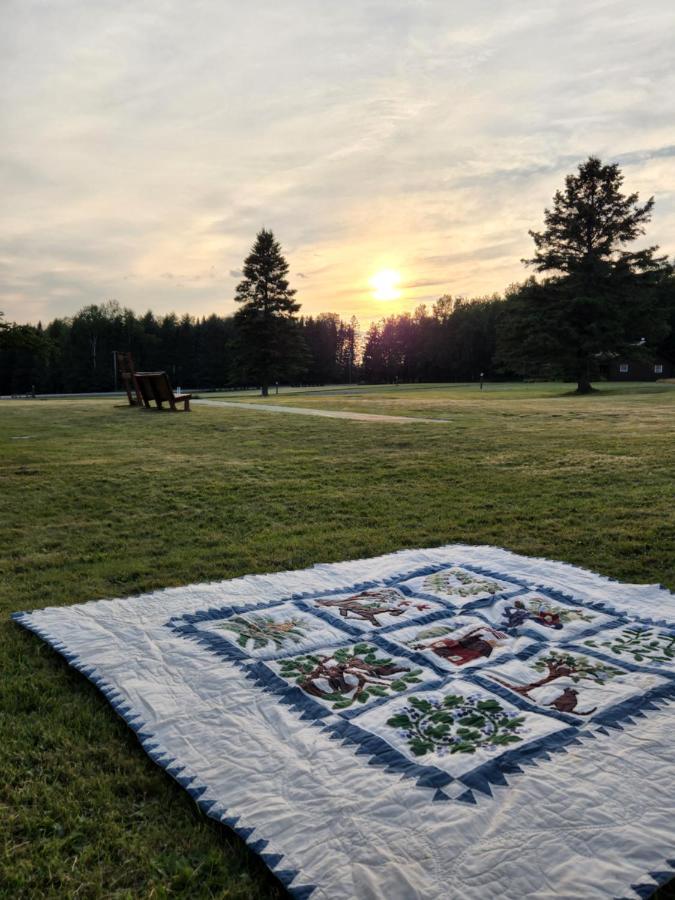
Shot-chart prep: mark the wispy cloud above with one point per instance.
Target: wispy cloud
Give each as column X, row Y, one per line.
column 144, row 145
column 641, row 156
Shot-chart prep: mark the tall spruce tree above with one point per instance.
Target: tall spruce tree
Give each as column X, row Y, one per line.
column 600, row 297
column 269, row 346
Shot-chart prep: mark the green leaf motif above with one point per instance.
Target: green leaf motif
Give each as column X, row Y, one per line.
column 472, row 720
column 356, row 675
column 455, row 724
column 421, row 705
column 642, row 646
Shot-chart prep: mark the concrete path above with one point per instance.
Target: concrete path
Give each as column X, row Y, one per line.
column 326, row 413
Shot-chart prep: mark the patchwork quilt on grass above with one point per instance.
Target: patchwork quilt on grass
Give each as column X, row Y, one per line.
column 457, row 722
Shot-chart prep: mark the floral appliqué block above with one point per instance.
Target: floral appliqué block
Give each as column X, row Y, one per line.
column 271, row 632
column 458, row 586
column 638, row 644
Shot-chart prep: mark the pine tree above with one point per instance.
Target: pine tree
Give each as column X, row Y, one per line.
column 270, row 347
column 599, row 297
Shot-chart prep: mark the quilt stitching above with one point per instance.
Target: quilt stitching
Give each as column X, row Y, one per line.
column 607, row 642
column 391, row 643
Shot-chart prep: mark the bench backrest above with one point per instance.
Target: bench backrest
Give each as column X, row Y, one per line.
column 125, row 364
column 125, row 371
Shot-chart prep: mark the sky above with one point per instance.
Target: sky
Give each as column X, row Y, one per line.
column 145, row 144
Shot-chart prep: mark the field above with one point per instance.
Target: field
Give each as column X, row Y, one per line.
column 101, row 500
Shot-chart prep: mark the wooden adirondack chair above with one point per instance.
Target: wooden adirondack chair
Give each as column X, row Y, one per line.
column 125, row 370
column 156, row 386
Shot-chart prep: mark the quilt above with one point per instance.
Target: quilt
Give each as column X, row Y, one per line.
column 458, row 722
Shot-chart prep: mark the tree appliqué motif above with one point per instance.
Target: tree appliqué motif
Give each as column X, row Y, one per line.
column 641, row 644
column 564, row 665
column 456, row 724
column 348, row 675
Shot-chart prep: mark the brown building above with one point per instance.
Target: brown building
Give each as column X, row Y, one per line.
column 626, row 368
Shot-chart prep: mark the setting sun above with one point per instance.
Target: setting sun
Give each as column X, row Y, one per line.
column 384, row 284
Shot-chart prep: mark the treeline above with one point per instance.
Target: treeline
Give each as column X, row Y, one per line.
column 453, row 340
column 76, row 354
column 595, row 299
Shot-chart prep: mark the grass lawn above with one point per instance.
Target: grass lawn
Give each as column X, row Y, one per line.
column 100, row 500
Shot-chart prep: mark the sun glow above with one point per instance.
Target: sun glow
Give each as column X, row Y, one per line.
column 384, row 284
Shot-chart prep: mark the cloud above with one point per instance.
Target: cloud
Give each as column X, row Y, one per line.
column 642, row 156
column 145, row 146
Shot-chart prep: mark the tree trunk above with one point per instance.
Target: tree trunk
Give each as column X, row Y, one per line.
column 264, row 390
column 555, row 670
column 584, row 385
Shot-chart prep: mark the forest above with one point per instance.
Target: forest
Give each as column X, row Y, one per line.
column 452, row 341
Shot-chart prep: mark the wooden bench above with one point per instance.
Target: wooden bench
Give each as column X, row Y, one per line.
column 156, row 386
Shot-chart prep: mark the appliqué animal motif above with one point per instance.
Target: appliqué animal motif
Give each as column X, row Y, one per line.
column 475, row 644
column 368, row 605
column 542, row 613
column 556, row 665
column 567, row 702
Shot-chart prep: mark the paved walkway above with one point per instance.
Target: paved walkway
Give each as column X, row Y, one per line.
column 326, row 413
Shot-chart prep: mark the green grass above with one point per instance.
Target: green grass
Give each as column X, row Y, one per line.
column 101, row 500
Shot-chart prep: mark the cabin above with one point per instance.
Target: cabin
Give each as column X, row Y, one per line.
column 627, row 368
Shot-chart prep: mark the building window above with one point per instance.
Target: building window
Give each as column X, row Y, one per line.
column 658, row 369
column 623, row 368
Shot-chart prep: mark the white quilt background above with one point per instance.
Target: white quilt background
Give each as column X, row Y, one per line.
column 593, row 821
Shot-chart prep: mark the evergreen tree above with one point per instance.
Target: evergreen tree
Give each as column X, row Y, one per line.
column 270, row 347
column 600, row 297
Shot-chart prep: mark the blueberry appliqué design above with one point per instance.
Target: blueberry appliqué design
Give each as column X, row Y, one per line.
column 456, row 724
